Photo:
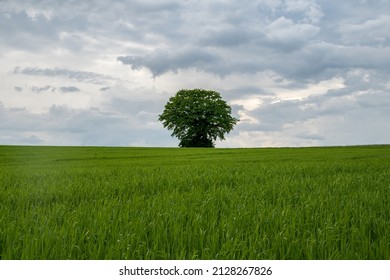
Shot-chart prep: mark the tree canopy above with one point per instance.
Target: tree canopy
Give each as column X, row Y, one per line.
column 197, row 117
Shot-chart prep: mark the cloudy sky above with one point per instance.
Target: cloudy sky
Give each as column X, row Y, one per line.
column 296, row 72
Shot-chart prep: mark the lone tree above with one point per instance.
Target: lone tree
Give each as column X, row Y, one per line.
column 197, row 117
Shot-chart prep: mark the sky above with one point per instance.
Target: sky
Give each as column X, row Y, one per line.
column 98, row 73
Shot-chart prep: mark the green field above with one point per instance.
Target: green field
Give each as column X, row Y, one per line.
column 170, row 203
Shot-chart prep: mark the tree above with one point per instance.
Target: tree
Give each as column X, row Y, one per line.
column 197, row 117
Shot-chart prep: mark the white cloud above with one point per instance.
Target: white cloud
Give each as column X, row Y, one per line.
column 284, row 31
column 311, row 10
column 370, row 32
column 34, row 14
column 311, row 89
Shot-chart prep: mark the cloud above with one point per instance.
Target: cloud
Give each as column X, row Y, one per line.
column 18, row 89
column 226, row 37
column 69, row 89
column 43, row 89
column 53, row 89
column 160, row 61
column 283, row 33
column 104, row 88
column 370, row 32
column 276, row 115
column 322, row 59
column 311, row 11
column 81, row 76
column 241, row 43
column 329, row 119
column 293, row 39
column 18, row 30
column 61, row 125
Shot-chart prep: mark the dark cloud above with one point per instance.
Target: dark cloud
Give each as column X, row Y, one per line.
column 160, row 62
column 20, row 32
column 69, row 89
column 43, row 89
column 104, row 88
column 80, row 76
column 226, row 38
column 296, row 39
column 50, row 89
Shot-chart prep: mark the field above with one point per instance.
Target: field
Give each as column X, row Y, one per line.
column 170, row 203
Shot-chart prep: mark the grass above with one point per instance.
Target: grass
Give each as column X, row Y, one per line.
column 156, row 203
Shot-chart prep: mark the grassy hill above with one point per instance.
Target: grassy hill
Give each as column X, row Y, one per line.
column 169, row 203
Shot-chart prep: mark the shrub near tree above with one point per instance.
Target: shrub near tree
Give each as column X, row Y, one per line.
column 198, row 117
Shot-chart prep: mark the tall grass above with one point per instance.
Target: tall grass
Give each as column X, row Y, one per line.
column 151, row 203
